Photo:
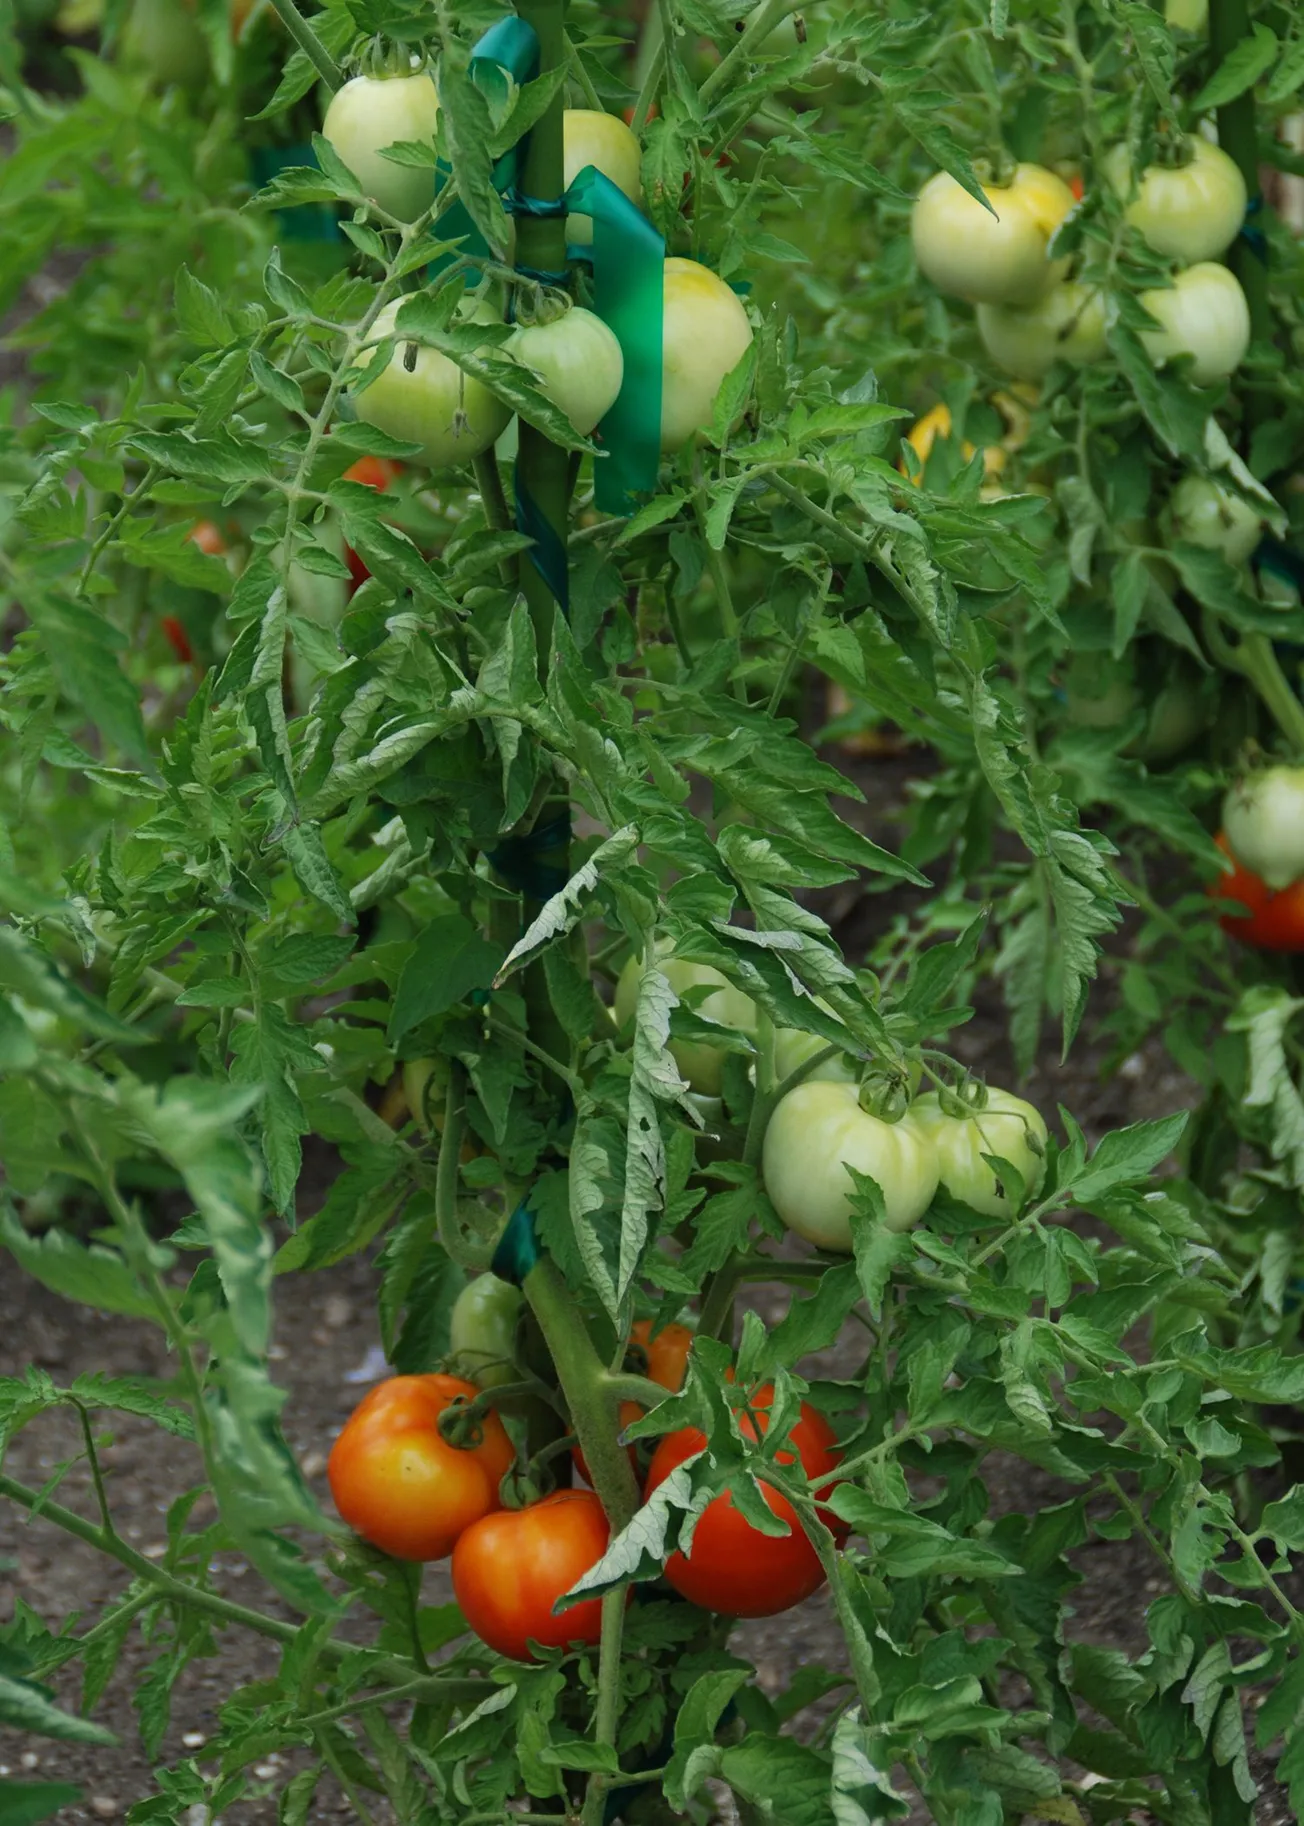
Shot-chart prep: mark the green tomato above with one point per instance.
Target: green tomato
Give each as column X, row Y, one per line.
column 163, row 38
column 814, row 1135
column 1203, row 314
column 970, row 252
column 373, row 112
column 1181, row 711
column 451, row 416
column 704, row 335
column 1006, row 1127
column 701, row 1063
column 1190, row 212
column 1187, row 15
column 591, row 137
column 1099, row 694
column 1068, row 324
column 792, row 1047
column 482, row 1331
column 1263, row 816
column 1202, row 513
column 577, row 361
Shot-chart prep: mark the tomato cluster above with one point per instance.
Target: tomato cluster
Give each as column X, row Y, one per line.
column 819, row 1130
column 422, row 396
column 1263, row 840
column 1030, row 314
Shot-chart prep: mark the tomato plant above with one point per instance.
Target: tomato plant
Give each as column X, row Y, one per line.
column 400, row 1483
column 476, row 960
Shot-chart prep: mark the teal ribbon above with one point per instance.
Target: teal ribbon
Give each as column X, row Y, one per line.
column 628, row 292
column 536, row 864
column 518, row 1246
column 300, row 221
column 507, row 54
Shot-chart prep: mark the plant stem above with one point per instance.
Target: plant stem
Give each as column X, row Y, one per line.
column 310, row 44
column 759, row 26
column 581, row 75
column 1229, row 23
column 1253, row 657
column 543, row 468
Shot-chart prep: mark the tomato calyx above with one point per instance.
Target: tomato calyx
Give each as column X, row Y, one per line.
column 885, row 1094
column 962, row 1100
column 383, row 58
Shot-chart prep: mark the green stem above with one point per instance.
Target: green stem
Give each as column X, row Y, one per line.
column 626, row 1386
column 542, row 467
column 1238, row 135
column 759, row 26
column 606, row 1711
column 310, row 44
column 1253, row 657
column 581, row 75
column 465, row 1250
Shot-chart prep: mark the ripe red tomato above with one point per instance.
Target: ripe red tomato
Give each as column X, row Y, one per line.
column 177, row 638
column 666, row 1356
column 372, row 472
column 510, row 1569
column 400, row 1483
column 1273, row 922
column 733, row 1568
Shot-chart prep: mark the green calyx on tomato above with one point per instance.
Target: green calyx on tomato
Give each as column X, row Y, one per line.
column 995, row 255
column 1189, row 211
column 819, row 1130
column 370, row 114
column 1200, row 512
column 705, row 333
column 482, row 1331
column 577, row 362
column 510, row 1568
column 731, row 1567
column 1263, row 817
column 1066, row 324
column 1005, row 1127
column 432, row 403
column 399, row 1482
column 591, row 137
column 1203, row 315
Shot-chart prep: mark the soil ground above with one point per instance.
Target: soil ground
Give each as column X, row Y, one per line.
column 327, row 1350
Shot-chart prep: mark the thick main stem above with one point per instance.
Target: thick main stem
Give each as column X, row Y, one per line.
column 1238, row 135
column 543, row 468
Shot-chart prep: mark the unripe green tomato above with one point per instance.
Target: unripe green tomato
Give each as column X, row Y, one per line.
column 450, row 415
column 1263, row 816
column 1189, row 212
column 591, row 137
column 701, row 1064
column 969, row 252
column 1204, row 315
column 1068, row 324
column 1201, row 513
column 482, row 1331
column 1181, row 711
column 578, row 363
column 1098, row 693
column 163, row 39
column 373, row 112
column 704, row 335
column 814, row 1135
column 792, row 1048
column 1007, row 1127
column 425, row 1083
column 1187, row 15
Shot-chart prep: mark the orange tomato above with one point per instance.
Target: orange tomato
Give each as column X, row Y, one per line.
column 732, row 1567
column 667, row 1353
column 207, row 535
column 937, row 422
column 398, row 1481
column 509, row 1569
column 1272, row 922
column 371, row 472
